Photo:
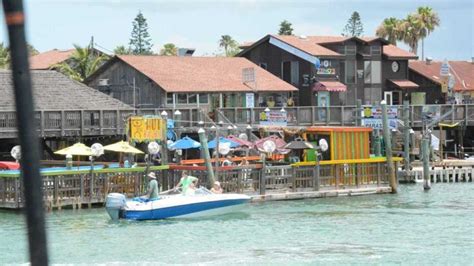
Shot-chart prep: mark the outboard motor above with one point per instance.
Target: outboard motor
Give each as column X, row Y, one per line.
column 114, row 203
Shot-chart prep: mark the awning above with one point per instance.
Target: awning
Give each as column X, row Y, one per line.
column 329, row 86
column 404, row 84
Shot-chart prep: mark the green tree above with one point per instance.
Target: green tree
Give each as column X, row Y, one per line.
column 140, row 40
column 429, row 20
column 285, row 28
column 411, row 32
column 169, row 49
column 122, row 50
column 31, row 50
column 4, row 56
column 230, row 46
column 354, row 26
column 390, row 29
column 82, row 63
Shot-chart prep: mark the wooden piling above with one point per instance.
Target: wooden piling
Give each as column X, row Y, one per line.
column 388, row 149
column 406, row 136
column 426, row 163
column 207, row 157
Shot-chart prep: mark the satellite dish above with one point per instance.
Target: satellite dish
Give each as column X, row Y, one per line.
column 243, row 136
column 269, row 146
column 16, row 152
column 323, row 144
column 169, row 143
column 224, row 148
column 153, row 147
column 97, row 149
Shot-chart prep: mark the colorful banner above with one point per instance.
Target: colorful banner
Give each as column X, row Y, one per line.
column 376, row 123
column 146, row 128
column 326, row 71
column 273, row 118
column 376, row 112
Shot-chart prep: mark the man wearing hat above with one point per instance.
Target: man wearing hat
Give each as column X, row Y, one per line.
column 153, row 190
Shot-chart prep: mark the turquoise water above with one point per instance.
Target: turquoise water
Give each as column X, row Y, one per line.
column 412, row 227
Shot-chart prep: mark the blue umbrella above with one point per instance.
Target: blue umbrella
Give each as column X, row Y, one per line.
column 184, row 144
column 212, row 144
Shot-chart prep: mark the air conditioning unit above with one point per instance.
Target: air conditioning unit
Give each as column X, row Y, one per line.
column 103, row 82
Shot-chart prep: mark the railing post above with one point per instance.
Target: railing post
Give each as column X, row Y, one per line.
column 82, row 187
column 316, row 172
column 56, row 189
column 82, row 122
column 342, row 115
column 379, row 174
column 117, row 122
column 42, row 123
column 101, row 122
column 63, row 118
column 336, row 167
column 327, row 115
column 262, row 178
column 313, row 116
column 358, row 112
column 293, row 179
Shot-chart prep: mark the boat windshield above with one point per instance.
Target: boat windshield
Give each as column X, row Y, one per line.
column 202, row 191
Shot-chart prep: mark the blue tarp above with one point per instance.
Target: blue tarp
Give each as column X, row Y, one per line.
column 212, row 144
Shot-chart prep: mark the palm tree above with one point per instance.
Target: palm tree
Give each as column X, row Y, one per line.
column 411, row 32
column 82, row 63
column 429, row 20
column 390, row 29
column 169, row 49
column 228, row 44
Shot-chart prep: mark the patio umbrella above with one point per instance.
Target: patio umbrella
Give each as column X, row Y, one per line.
column 280, row 144
column 240, row 141
column 212, row 144
column 299, row 144
column 122, row 147
column 79, row 149
column 184, row 144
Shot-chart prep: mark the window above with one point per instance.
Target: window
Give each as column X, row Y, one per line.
column 263, row 65
column 372, row 96
column 341, row 49
column 182, row 98
column 192, row 98
column 169, row 98
column 350, row 50
column 204, row 98
column 375, row 50
column 290, row 72
column 350, row 71
column 372, row 72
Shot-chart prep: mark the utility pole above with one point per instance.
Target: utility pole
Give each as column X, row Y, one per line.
column 406, row 135
column 388, row 149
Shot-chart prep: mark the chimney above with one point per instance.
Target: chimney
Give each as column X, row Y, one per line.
column 428, row 60
column 186, row 51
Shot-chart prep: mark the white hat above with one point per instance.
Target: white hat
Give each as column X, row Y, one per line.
column 217, row 183
column 152, row 175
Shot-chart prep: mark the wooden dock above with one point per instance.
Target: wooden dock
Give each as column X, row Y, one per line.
column 446, row 171
column 76, row 189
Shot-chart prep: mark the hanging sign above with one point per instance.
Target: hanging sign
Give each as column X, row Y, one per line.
column 326, row 71
column 249, row 100
column 372, row 117
column 273, row 118
column 144, row 129
column 444, row 70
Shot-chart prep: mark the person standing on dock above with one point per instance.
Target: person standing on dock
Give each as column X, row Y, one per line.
column 152, row 187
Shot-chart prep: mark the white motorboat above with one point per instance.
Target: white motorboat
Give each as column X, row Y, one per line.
column 202, row 202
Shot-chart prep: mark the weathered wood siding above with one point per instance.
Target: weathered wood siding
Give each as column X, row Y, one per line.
column 120, row 86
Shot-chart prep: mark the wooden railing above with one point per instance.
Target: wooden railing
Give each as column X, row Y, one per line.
column 345, row 115
column 77, row 187
column 59, row 123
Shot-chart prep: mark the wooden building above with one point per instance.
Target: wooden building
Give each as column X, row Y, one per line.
column 431, row 91
column 351, row 68
column 177, row 82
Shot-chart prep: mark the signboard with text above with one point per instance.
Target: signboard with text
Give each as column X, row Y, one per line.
column 372, row 117
column 249, row 100
column 273, row 118
column 146, row 128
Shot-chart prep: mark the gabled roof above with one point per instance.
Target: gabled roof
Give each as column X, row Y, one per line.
column 47, row 59
column 463, row 72
column 54, row 91
column 393, row 52
column 201, row 74
column 314, row 45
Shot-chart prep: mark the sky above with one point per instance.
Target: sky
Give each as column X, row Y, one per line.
column 200, row 23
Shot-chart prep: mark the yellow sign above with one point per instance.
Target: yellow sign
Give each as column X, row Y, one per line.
column 444, row 85
column 146, row 128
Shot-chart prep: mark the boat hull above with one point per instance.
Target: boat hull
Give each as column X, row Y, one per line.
column 188, row 210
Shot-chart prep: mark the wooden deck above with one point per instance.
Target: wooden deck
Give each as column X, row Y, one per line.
column 277, row 182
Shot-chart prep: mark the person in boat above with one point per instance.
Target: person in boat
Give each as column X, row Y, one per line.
column 186, row 183
column 216, row 188
column 153, row 189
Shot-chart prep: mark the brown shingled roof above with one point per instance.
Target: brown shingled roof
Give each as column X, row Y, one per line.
column 203, row 74
column 47, row 59
column 308, row 44
column 393, row 51
column 463, row 72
